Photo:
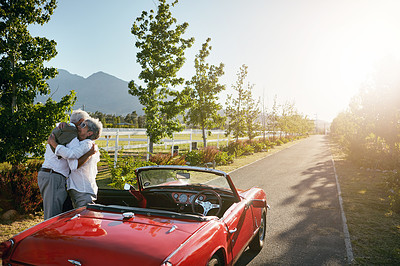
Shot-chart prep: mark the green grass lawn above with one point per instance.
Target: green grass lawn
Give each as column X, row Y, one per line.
column 374, row 229
column 182, row 147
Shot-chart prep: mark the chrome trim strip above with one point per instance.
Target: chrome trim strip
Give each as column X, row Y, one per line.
column 173, row 228
column 128, row 215
column 75, row 262
column 76, row 216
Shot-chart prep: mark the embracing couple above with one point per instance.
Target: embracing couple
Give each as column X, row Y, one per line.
column 70, row 164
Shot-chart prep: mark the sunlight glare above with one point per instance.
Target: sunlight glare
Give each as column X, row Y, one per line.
column 356, row 52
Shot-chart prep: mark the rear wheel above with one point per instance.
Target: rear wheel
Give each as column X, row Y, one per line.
column 258, row 241
column 215, row 261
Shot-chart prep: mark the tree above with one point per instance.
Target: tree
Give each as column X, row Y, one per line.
column 204, row 107
column 288, row 111
column 273, row 117
column 132, row 118
column 142, row 121
column 370, row 130
column 234, row 110
column 116, row 121
column 161, row 56
column 251, row 113
column 26, row 125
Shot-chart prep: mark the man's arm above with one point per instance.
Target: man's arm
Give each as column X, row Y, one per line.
column 84, row 158
column 73, row 152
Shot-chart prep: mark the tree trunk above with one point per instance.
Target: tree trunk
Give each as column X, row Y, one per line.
column 204, row 136
column 151, row 145
column 14, row 88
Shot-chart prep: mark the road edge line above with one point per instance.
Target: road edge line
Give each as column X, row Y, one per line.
column 347, row 240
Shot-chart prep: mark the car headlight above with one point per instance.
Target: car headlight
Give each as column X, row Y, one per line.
column 6, row 247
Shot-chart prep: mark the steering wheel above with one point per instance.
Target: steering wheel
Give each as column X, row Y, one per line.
column 207, row 205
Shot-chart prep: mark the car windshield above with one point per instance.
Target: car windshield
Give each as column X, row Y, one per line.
column 182, row 177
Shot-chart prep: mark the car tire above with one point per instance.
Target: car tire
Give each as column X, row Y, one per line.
column 215, row 261
column 257, row 242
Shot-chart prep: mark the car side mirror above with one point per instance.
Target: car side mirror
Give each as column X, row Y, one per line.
column 258, row 203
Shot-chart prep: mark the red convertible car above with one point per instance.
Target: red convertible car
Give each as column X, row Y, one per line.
column 177, row 215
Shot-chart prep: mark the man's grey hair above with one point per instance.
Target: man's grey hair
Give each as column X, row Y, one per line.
column 78, row 115
column 95, row 126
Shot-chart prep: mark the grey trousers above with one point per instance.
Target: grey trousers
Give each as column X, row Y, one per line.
column 80, row 199
column 53, row 189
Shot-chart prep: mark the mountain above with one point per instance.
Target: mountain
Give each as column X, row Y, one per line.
column 99, row 92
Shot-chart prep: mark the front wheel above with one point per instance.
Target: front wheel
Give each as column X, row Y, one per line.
column 215, row 261
column 258, row 241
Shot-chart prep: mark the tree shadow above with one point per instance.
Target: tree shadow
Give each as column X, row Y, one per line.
column 315, row 235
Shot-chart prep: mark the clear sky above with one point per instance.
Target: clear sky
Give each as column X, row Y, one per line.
column 311, row 52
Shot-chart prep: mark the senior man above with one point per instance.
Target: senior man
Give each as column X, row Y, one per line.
column 81, row 184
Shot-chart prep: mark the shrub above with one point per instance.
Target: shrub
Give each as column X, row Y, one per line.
column 124, row 170
column 229, row 148
column 167, row 159
column 177, row 160
column 19, row 184
column 209, row 154
column 393, row 186
column 278, row 142
column 234, row 148
column 160, row 158
column 285, row 139
column 222, row 158
column 239, row 148
column 268, row 144
column 194, row 157
column 258, row 146
column 247, row 150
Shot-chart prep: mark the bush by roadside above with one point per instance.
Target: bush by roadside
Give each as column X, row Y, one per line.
column 19, row 188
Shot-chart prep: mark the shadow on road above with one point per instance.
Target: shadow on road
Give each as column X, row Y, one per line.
column 305, row 228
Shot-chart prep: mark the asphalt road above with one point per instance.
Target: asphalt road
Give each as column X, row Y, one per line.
column 304, row 225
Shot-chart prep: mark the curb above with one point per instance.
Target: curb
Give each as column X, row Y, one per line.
column 347, row 240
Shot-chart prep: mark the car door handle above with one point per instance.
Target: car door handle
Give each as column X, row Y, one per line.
column 232, row 231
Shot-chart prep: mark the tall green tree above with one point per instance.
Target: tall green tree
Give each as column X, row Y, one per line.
column 204, row 108
column 132, row 118
column 161, row 56
column 252, row 113
column 235, row 106
column 273, row 117
column 369, row 130
column 142, row 121
column 284, row 120
column 24, row 124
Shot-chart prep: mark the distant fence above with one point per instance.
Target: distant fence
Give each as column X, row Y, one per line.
column 113, row 135
column 132, row 135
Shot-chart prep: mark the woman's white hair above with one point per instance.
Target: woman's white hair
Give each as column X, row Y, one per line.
column 95, row 126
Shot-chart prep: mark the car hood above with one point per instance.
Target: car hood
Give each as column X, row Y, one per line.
column 98, row 238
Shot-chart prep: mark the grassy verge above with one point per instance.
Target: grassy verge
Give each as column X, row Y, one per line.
column 374, row 229
column 10, row 228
